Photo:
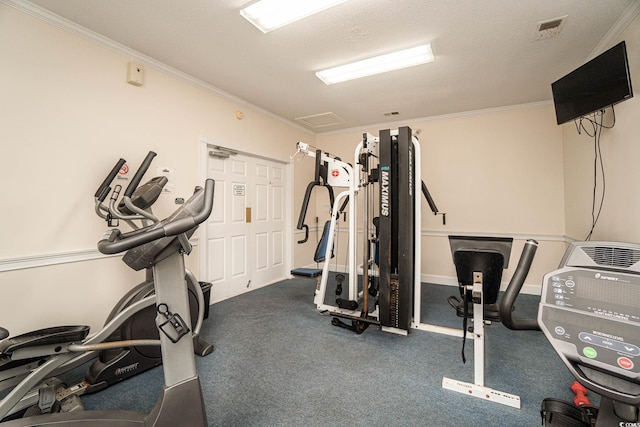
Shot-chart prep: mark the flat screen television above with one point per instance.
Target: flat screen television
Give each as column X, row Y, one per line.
column 599, row 83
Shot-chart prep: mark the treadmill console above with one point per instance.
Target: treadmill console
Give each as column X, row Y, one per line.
column 590, row 313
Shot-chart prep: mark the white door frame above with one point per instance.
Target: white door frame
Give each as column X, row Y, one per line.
column 207, row 144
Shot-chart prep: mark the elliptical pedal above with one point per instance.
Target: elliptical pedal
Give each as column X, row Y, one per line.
column 53, row 397
column 558, row 413
column 47, row 402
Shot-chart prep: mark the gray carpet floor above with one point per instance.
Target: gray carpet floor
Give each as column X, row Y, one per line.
column 278, row 362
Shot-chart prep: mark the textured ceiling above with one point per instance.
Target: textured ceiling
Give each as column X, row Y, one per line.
column 487, row 55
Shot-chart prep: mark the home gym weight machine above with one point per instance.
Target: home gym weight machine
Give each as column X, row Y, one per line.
column 132, row 320
column 181, row 401
column 392, row 161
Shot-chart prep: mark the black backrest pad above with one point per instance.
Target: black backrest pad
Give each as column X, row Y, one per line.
column 485, row 254
column 490, row 264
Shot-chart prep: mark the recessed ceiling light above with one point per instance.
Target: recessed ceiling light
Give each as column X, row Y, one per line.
column 267, row 15
column 378, row 64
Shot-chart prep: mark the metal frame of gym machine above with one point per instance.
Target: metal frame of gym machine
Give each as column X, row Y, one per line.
column 392, row 320
column 126, row 315
column 341, row 175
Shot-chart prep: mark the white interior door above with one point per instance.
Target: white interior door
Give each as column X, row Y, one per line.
column 245, row 238
column 268, row 221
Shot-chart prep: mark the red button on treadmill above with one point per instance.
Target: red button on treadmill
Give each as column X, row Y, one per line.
column 625, row 363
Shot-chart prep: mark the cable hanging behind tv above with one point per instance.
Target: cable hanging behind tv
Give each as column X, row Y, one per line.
column 602, row 82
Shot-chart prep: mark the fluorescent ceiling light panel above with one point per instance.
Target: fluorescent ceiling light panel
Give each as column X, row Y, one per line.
column 378, row 64
column 268, row 15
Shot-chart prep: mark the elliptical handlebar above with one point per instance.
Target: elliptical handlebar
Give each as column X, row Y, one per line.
column 513, row 290
column 115, row 242
column 105, row 187
column 131, row 188
column 127, row 210
column 135, row 181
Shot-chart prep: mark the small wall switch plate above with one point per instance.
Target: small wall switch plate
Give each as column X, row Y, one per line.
column 135, row 73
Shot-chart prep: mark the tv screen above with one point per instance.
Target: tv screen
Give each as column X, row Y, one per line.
column 599, row 83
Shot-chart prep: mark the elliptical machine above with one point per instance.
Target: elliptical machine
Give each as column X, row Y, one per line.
column 590, row 313
column 131, row 321
column 163, row 245
column 115, row 365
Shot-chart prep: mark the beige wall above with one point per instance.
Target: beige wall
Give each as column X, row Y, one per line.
column 67, row 115
column 620, row 153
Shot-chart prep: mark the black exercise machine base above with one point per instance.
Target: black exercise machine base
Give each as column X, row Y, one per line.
column 358, row 323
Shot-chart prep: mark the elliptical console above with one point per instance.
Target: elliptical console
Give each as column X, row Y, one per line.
column 590, row 313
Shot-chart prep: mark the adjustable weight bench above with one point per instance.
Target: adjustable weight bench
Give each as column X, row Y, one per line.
column 319, row 256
